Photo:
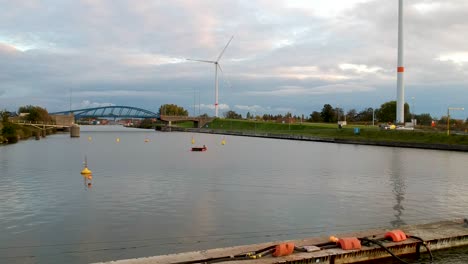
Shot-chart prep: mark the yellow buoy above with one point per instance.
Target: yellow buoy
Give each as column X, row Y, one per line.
column 147, row 140
column 223, row 142
column 117, row 140
column 90, row 138
column 193, row 141
column 86, row 171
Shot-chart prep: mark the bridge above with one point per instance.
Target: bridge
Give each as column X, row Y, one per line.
column 110, row 112
column 128, row 112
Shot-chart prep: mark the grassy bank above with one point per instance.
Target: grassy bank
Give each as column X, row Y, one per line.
column 320, row 130
column 20, row 132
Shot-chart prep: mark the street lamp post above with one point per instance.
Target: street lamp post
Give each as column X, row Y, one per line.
column 448, row 117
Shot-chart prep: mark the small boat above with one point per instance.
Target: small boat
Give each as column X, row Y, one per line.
column 204, row 148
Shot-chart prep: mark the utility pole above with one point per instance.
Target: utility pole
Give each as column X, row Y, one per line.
column 448, row 117
column 373, row 116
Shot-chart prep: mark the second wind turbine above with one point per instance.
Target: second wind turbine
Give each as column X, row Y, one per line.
column 216, row 64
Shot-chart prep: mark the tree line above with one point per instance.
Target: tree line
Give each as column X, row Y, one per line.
column 11, row 132
column 386, row 113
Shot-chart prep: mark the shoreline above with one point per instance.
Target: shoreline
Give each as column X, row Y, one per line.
column 432, row 146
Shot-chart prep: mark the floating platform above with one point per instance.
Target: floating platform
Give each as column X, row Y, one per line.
column 439, row 235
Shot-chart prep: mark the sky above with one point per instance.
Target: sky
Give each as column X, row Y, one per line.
column 286, row 56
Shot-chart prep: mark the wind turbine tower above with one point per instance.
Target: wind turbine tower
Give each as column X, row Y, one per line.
column 216, row 64
column 400, row 69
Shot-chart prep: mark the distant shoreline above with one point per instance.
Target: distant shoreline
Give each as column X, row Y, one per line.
column 433, row 146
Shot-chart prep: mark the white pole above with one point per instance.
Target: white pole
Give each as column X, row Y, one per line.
column 216, row 89
column 401, row 69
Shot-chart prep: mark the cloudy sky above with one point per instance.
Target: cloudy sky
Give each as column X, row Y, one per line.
column 291, row 55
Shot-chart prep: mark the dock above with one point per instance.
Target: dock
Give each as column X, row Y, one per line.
column 436, row 236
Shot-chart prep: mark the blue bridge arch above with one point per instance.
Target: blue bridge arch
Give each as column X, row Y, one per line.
column 110, row 112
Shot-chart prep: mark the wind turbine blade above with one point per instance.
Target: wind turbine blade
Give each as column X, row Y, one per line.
column 226, row 80
column 219, row 66
column 222, row 52
column 201, row 61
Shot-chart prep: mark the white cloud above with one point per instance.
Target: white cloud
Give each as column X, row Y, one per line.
column 426, row 7
column 212, row 106
column 300, row 73
column 140, row 59
column 89, row 104
column 252, row 108
column 120, row 93
column 318, row 90
column 329, row 8
column 359, row 68
column 458, row 57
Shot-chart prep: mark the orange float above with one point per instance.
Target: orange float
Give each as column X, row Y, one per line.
column 283, row 249
column 349, row 243
column 396, row 235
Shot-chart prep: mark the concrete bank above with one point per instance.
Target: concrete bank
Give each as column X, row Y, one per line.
column 463, row 148
column 439, row 235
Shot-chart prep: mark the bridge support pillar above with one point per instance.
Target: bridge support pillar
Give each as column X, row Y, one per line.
column 74, row 131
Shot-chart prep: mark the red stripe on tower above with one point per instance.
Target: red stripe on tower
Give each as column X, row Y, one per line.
column 401, row 69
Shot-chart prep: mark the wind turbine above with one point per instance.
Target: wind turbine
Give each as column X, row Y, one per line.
column 216, row 64
column 400, row 118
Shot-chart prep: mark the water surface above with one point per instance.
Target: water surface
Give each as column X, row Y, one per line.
column 157, row 197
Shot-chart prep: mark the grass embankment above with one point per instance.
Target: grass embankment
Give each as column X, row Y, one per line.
column 320, row 130
column 20, row 132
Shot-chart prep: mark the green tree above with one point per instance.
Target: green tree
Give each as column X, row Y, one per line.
column 35, row 113
column 147, row 123
column 365, row 115
column 172, row 110
column 8, row 129
column 248, row 116
column 351, row 115
column 315, row 117
column 328, row 113
column 4, row 115
column 232, row 115
column 387, row 112
column 424, row 119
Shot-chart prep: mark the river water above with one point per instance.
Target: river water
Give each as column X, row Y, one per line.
column 150, row 195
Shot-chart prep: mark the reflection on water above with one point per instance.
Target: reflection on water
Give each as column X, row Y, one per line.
column 398, row 183
column 155, row 196
column 88, row 181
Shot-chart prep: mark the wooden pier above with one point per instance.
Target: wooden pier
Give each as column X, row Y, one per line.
column 437, row 236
